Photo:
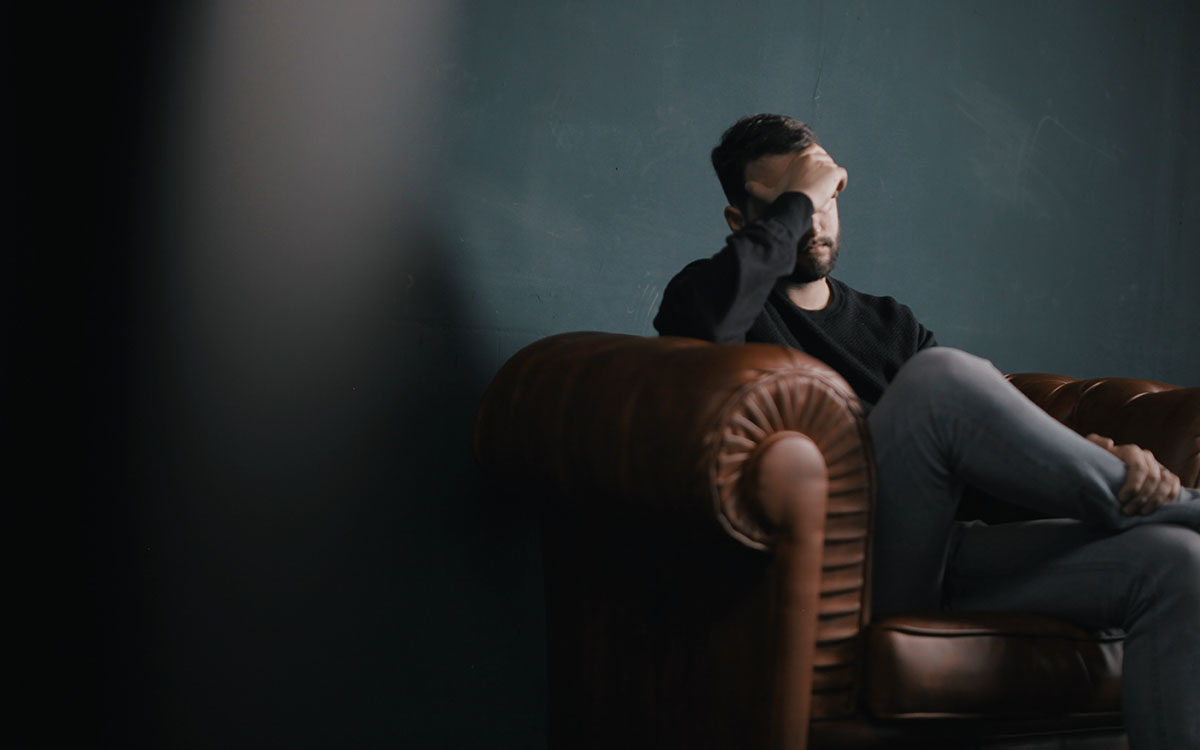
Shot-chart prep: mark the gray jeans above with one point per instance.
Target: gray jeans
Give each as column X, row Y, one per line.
column 949, row 420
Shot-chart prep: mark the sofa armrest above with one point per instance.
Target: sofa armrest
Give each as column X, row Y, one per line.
column 647, row 426
column 1162, row 418
column 649, row 455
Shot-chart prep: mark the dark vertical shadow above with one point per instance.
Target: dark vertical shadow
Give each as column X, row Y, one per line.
column 291, row 554
column 87, row 114
column 469, row 611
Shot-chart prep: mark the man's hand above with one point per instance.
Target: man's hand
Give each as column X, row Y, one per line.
column 811, row 171
column 1148, row 484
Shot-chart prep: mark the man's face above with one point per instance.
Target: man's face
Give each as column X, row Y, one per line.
column 817, row 250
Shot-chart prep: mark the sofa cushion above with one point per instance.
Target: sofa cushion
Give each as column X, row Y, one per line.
column 990, row 664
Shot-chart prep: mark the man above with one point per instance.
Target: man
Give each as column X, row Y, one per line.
column 1123, row 549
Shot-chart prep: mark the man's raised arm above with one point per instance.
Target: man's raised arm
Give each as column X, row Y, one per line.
column 718, row 299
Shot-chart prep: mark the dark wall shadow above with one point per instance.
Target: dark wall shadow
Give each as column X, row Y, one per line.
column 300, row 558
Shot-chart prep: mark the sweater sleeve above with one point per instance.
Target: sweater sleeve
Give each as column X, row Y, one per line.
column 717, row 299
column 925, row 337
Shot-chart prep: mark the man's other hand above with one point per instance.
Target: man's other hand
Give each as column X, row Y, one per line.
column 811, row 171
column 1148, row 484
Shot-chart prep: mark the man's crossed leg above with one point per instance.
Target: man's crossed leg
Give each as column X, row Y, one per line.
column 950, row 419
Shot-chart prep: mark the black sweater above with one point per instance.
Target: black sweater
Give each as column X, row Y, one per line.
column 732, row 297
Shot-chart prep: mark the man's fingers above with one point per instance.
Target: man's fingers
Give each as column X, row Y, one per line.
column 814, row 172
column 842, row 182
column 829, row 183
column 1139, row 471
column 1174, row 488
column 1105, row 443
column 1165, row 490
column 1148, row 484
column 814, row 150
column 760, row 191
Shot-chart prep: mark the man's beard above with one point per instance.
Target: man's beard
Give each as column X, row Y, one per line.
column 810, row 267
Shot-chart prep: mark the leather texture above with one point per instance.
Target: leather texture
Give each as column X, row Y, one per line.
column 659, row 440
column 932, row 666
column 1162, row 418
column 701, row 500
column 654, row 424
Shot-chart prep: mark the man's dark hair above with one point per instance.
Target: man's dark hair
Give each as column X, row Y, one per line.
column 749, row 138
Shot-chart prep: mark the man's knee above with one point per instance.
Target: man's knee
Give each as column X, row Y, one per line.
column 946, row 360
column 1169, row 555
column 941, row 370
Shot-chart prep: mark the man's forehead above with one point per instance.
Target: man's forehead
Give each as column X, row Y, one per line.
column 773, row 164
column 769, row 164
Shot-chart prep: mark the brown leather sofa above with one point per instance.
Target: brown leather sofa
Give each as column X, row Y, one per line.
column 706, row 540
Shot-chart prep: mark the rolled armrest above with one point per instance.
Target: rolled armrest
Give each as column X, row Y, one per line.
column 651, row 425
column 1162, row 418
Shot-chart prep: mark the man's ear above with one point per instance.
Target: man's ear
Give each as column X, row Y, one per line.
column 734, row 218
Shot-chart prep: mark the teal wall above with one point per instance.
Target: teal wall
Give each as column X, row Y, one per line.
column 309, row 234
column 1021, row 174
